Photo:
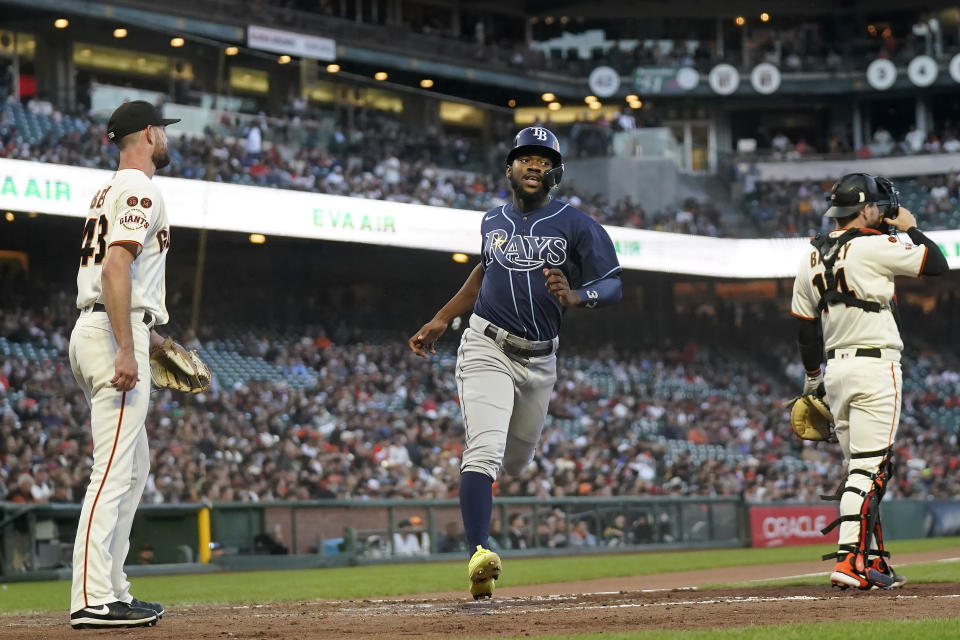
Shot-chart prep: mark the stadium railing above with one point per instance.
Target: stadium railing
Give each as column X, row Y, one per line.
column 36, row 540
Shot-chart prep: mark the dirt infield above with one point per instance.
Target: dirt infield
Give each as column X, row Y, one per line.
column 649, row 602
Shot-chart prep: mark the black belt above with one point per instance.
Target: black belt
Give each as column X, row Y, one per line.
column 860, row 353
column 98, row 306
column 517, row 350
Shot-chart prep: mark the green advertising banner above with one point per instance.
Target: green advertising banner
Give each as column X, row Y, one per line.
column 63, row 190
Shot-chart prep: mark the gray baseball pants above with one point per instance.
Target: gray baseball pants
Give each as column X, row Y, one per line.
column 504, row 400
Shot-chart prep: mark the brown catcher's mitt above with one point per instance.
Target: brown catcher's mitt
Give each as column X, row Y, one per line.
column 173, row 367
column 811, row 418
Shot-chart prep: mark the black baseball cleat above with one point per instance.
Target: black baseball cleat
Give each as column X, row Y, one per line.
column 879, row 567
column 115, row 614
column 149, row 605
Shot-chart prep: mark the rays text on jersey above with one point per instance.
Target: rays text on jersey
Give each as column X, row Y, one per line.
column 524, row 253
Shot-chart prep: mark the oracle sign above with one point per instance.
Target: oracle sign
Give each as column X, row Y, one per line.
column 792, row 525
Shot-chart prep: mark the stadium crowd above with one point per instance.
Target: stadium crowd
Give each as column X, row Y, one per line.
column 697, row 419
column 790, row 209
column 777, row 145
column 700, row 419
column 378, row 158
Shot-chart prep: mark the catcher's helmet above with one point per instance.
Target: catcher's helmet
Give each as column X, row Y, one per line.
column 540, row 141
column 854, row 191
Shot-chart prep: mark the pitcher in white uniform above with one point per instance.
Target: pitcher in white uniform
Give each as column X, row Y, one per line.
column 121, row 290
column 845, row 287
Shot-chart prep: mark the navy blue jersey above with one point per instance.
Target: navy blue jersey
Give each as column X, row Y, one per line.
column 517, row 246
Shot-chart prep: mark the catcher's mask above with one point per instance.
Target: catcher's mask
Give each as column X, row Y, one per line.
column 889, row 200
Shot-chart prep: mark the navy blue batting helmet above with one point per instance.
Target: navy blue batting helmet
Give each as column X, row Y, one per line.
column 540, row 141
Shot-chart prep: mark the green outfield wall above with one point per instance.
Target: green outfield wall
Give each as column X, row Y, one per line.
column 36, row 541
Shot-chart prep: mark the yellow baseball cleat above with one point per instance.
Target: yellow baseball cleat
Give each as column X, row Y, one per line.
column 483, row 589
column 483, row 570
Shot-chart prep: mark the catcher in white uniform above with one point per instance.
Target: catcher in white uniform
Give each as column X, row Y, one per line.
column 844, row 303
column 121, row 290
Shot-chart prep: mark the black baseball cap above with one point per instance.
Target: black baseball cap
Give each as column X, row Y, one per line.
column 850, row 194
column 134, row 116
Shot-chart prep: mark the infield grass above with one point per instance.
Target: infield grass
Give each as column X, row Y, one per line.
column 938, row 629
column 238, row 587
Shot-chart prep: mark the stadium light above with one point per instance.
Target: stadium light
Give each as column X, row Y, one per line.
column 284, row 59
column 61, row 23
column 257, row 238
column 511, row 103
column 426, row 83
column 548, row 20
column 176, row 42
column 739, row 21
column 636, row 104
column 548, row 97
column 333, row 67
column 591, row 99
column 596, row 105
column 632, row 97
column 9, row 216
column 764, row 17
column 231, row 51
column 554, row 106
column 120, row 32
column 460, row 258
column 380, row 75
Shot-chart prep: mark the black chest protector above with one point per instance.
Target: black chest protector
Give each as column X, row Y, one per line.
column 829, row 248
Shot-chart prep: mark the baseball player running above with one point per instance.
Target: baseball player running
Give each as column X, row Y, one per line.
column 845, row 287
column 121, row 291
column 540, row 256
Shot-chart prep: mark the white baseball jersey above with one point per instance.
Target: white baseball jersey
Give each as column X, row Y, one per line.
column 865, row 267
column 128, row 208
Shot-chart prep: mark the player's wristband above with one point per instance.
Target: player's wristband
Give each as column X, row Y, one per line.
column 600, row 293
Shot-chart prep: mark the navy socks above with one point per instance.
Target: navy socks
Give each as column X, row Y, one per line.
column 476, row 507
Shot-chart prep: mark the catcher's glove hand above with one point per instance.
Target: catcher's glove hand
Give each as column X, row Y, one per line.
column 173, row 367
column 811, row 418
